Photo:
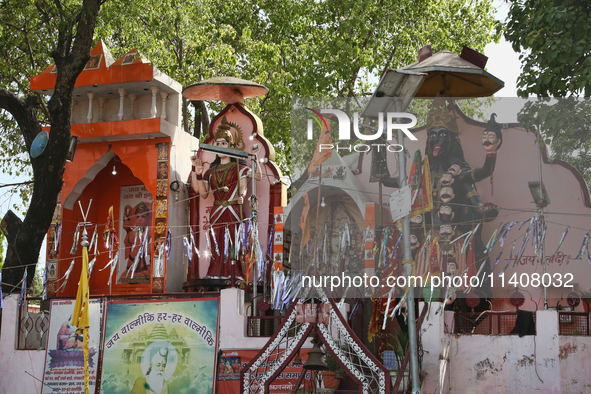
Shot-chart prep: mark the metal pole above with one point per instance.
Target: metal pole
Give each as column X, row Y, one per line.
column 253, row 206
column 410, row 299
column 543, row 246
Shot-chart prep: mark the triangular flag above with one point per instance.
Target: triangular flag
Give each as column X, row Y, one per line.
column 304, row 225
column 320, row 155
column 80, row 317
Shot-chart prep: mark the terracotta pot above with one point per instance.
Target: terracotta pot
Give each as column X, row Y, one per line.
column 330, row 381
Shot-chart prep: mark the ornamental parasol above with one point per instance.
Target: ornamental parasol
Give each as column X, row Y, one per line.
column 227, row 89
column 451, row 75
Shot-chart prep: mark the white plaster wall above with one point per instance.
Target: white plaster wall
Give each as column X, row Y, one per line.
column 575, row 364
column 181, row 148
column 142, row 107
column 233, row 323
column 14, row 363
column 546, row 363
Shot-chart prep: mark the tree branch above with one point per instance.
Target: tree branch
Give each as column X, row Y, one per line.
column 24, row 112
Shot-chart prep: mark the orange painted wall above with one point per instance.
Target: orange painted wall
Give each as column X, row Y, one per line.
column 136, row 164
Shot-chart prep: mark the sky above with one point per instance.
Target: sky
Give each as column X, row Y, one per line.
column 503, row 63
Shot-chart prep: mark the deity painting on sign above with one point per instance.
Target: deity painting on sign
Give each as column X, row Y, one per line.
column 136, row 218
column 340, row 237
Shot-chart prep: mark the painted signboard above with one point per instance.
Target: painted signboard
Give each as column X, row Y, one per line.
column 232, row 361
column 64, row 361
column 160, row 347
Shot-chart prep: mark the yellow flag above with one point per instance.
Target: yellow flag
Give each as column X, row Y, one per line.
column 80, row 317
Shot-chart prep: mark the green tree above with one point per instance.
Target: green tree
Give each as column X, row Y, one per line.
column 294, row 47
column 29, row 31
column 554, row 39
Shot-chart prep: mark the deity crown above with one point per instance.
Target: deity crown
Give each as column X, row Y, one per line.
column 440, row 116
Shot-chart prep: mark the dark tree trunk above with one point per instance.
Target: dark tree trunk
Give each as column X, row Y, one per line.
column 202, row 121
column 70, row 56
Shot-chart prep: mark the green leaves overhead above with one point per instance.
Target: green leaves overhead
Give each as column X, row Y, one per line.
column 295, row 48
column 554, row 37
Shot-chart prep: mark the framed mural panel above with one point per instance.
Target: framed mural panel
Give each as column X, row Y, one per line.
column 160, row 347
column 232, row 361
column 135, row 218
column 64, row 360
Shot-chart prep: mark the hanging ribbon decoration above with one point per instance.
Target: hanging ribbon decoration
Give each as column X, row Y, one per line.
column 113, row 265
column 497, row 261
column 584, row 246
column 396, row 247
column 227, row 237
column 469, row 238
column 143, row 235
column 275, row 288
column 561, row 240
column 74, row 248
column 490, row 241
column 94, row 240
column 66, row 276
column 384, row 247
column 260, row 264
column 509, row 260
column 217, row 249
column 91, row 266
column 45, row 275
column 58, row 236
column 109, row 235
column 168, row 244
column 461, row 236
column 208, row 250
column 23, row 289
column 269, row 257
column 187, row 250
column 387, row 307
column 237, row 241
column 193, row 244
column 248, row 229
column 511, row 225
column 159, row 264
column 345, row 242
column 528, row 232
column 495, row 238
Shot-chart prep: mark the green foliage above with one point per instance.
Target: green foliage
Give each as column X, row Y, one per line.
column 37, row 288
column 332, row 364
column 563, row 125
column 399, row 343
column 295, row 48
column 554, row 37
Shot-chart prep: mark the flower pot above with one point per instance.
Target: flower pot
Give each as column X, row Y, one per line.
column 403, row 383
column 330, row 381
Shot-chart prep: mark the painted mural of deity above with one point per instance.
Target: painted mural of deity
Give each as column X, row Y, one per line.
column 340, row 237
column 457, row 205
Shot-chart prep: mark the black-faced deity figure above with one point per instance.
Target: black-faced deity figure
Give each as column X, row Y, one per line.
column 457, row 205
